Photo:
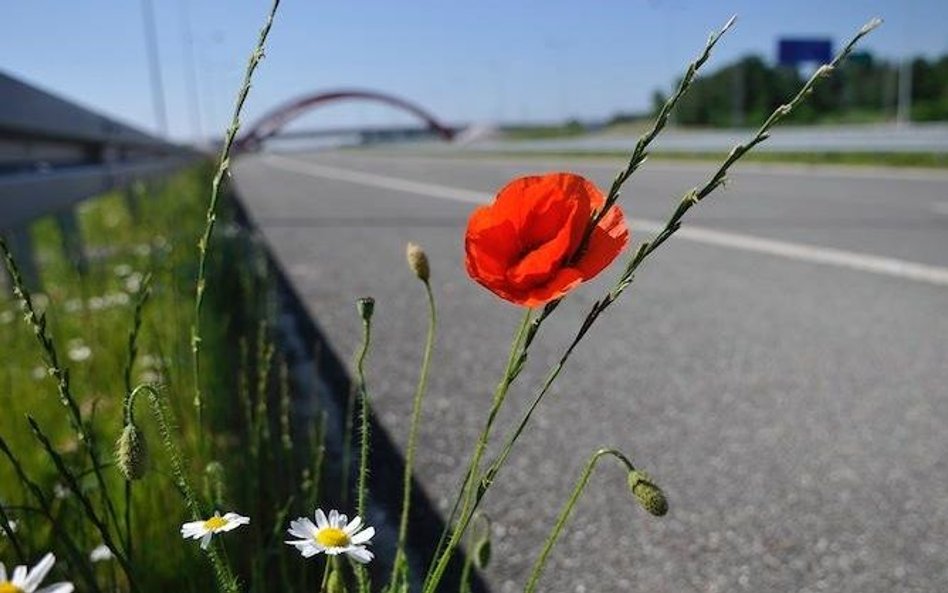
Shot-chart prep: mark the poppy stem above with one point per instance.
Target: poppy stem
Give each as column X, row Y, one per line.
column 471, row 489
column 564, row 515
column 413, row 432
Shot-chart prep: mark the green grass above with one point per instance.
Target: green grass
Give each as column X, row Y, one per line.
column 888, row 159
column 90, row 314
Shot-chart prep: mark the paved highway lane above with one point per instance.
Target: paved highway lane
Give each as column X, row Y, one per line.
column 782, row 371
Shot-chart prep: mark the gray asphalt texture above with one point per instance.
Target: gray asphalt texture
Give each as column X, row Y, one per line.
column 794, row 413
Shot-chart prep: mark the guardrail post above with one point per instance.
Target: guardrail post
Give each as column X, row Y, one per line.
column 72, row 239
column 21, row 246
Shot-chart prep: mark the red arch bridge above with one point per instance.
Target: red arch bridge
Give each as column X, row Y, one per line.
column 273, row 122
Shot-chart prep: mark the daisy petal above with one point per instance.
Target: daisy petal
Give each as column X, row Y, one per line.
column 353, row 525
column 333, row 517
column 363, row 536
column 360, row 554
column 58, row 588
column 19, row 575
column 321, row 521
column 206, row 540
column 39, row 572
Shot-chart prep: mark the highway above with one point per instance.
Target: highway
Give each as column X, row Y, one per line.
column 780, row 368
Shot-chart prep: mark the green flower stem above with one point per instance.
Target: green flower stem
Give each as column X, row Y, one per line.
column 470, row 489
column 325, row 581
column 413, row 431
column 363, row 394
column 564, row 515
column 223, row 168
column 364, row 437
column 225, row 578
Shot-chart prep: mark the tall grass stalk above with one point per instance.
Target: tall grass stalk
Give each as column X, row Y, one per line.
column 7, row 528
column 73, row 483
column 37, row 322
column 64, row 533
column 223, row 168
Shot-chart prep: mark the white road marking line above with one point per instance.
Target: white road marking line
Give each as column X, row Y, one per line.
column 884, row 266
column 541, row 160
column 383, row 181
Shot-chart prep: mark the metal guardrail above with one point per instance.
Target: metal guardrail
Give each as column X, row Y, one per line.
column 54, row 153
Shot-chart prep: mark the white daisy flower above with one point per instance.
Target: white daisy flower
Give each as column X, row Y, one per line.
column 100, row 553
column 203, row 530
column 333, row 535
column 27, row 581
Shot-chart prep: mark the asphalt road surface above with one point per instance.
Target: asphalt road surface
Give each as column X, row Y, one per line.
column 931, row 138
column 780, row 368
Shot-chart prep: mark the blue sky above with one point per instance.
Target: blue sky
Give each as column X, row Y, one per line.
column 466, row 61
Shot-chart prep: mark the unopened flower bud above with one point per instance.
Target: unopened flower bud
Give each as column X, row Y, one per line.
column 647, row 492
column 366, row 306
column 131, row 453
column 418, row 262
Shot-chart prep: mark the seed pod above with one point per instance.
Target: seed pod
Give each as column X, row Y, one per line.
column 131, row 453
column 648, row 493
column 366, row 306
column 418, row 262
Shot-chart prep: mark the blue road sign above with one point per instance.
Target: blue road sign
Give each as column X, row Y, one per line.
column 792, row 52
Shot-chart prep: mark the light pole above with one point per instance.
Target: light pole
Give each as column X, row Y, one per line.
column 154, row 67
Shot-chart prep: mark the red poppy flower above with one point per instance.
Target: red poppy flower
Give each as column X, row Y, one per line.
column 521, row 246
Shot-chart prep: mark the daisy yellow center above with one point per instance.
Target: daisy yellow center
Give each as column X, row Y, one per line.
column 8, row 587
column 332, row 537
column 211, row 524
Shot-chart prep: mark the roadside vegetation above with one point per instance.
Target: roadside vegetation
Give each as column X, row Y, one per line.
column 926, row 160
column 122, row 319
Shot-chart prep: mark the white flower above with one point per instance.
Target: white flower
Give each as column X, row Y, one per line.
column 24, row 581
column 11, row 525
column 333, row 536
column 203, row 530
column 100, row 553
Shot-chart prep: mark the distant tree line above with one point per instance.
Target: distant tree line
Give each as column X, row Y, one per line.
column 863, row 90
